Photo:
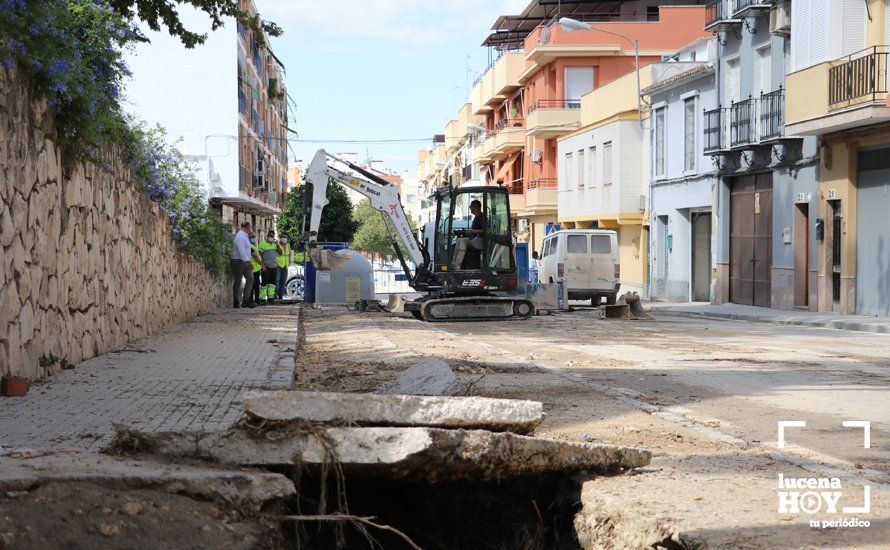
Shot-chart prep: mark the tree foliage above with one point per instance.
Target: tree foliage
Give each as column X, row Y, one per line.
column 337, row 221
column 164, row 13
column 374, row 230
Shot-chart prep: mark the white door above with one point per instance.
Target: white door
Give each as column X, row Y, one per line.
column 578, row 81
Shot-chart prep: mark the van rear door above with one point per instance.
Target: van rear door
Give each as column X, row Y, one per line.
column 577, row 262
column 602, row 257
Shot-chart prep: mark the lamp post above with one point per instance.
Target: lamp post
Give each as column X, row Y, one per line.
column 569, row 24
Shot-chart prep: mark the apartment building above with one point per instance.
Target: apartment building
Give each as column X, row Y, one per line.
column 837, row 91
column 531, row 94
column 767, row 196
column 682, row 180
column 603, row 175
column 225, row 104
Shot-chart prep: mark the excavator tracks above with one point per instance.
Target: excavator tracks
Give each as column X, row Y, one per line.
column 474, row 308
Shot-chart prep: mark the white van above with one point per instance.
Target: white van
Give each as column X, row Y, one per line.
column 586, row 260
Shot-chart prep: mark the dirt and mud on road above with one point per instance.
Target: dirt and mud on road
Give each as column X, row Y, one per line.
column 704, row 396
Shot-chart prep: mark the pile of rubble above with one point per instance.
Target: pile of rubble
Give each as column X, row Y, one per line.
column 403, row 437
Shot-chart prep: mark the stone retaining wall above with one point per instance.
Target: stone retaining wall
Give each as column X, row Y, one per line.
column 87, row 264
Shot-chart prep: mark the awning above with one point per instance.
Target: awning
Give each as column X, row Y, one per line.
column 505, row 167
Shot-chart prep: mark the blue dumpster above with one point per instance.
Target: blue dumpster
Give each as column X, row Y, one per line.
column 310, row 271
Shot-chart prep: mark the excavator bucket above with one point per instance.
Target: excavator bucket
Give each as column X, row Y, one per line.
column 396, row 303
column 628, row 306
column 329, row 260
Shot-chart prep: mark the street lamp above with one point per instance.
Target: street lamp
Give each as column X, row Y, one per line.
column 569, row 24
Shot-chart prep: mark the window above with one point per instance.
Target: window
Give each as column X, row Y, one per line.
column 607, row 163
column 580, row 173
column 578, row 81
column 545, row 249
column 600, row 244
column 577, row 244
column 591, row 160
column 689, row 137
column 570, row 170
column 659, row 141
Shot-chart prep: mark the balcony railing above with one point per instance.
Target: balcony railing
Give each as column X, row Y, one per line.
column 554, row 104
column 859, row 77
column 515, row 187
column 742, row 5
column 713, row 123
column 747, row 122
column 539, row 183
column 772, row 115
column 741, row 128
column 715, row 11
column 508, row 123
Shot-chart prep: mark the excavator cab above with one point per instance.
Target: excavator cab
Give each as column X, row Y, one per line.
column 486, row 262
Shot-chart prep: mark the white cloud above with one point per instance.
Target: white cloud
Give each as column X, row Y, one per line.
column 409, row 22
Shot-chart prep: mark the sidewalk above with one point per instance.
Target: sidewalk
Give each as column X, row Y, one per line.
column 737, row 312
column 190, row 376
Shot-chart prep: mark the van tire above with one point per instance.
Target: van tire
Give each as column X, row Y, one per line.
column 611, row 298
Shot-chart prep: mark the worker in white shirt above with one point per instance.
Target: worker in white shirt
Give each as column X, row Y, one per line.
column 241, row 269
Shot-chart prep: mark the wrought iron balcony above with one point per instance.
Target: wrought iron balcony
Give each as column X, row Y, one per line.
column 859, row 78
column 741, row 128
column 713, row 126
column 741, row 6
column 772, row 115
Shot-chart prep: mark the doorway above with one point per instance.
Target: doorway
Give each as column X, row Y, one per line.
column 750, row 239
column 802, row 255
column 701, row 256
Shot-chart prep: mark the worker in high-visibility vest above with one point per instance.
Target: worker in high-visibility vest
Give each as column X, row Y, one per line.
column 283, row 260
column 256, row 263
column 268, row 252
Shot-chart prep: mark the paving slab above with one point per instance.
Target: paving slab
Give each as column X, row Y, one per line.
column 430, row 376
column 422, row 454
column 330, row 408
column 26, row 470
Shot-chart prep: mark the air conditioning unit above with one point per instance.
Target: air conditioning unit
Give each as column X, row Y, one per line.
column 780, row 18
column 537, row 156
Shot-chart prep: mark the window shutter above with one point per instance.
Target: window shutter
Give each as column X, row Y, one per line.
column 854, row 26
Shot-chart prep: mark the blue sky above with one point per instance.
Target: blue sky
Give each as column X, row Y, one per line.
column 379, row 69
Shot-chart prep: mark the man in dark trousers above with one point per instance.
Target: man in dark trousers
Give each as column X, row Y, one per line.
column 241, row 268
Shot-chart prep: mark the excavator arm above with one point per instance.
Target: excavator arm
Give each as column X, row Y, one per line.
column 382, row 195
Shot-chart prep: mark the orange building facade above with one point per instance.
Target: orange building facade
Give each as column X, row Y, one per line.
column 530, row 95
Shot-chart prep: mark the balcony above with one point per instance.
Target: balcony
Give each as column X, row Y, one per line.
column 846, row 93
column 742, row 7
column 453, row 136
column 483, row 152
column 713, row 124
column 858, row 79
column 505, row 77
column 540, row 196
column 243, row 178
column 509, row 136
column 548, row 118
column 718, row 15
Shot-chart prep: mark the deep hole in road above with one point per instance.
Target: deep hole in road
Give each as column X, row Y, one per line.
column 519, row 513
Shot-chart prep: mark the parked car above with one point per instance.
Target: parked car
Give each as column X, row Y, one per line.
column 586, row 260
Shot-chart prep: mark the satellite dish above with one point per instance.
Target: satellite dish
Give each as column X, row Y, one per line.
column 544, row 37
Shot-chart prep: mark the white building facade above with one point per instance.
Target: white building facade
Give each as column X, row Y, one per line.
column 224, row 105
column 682, row 178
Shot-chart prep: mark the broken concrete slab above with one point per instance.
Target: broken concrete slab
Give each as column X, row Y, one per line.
column 421, row 454
column 246, row 489
column 328, row 408
column 431, row 376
